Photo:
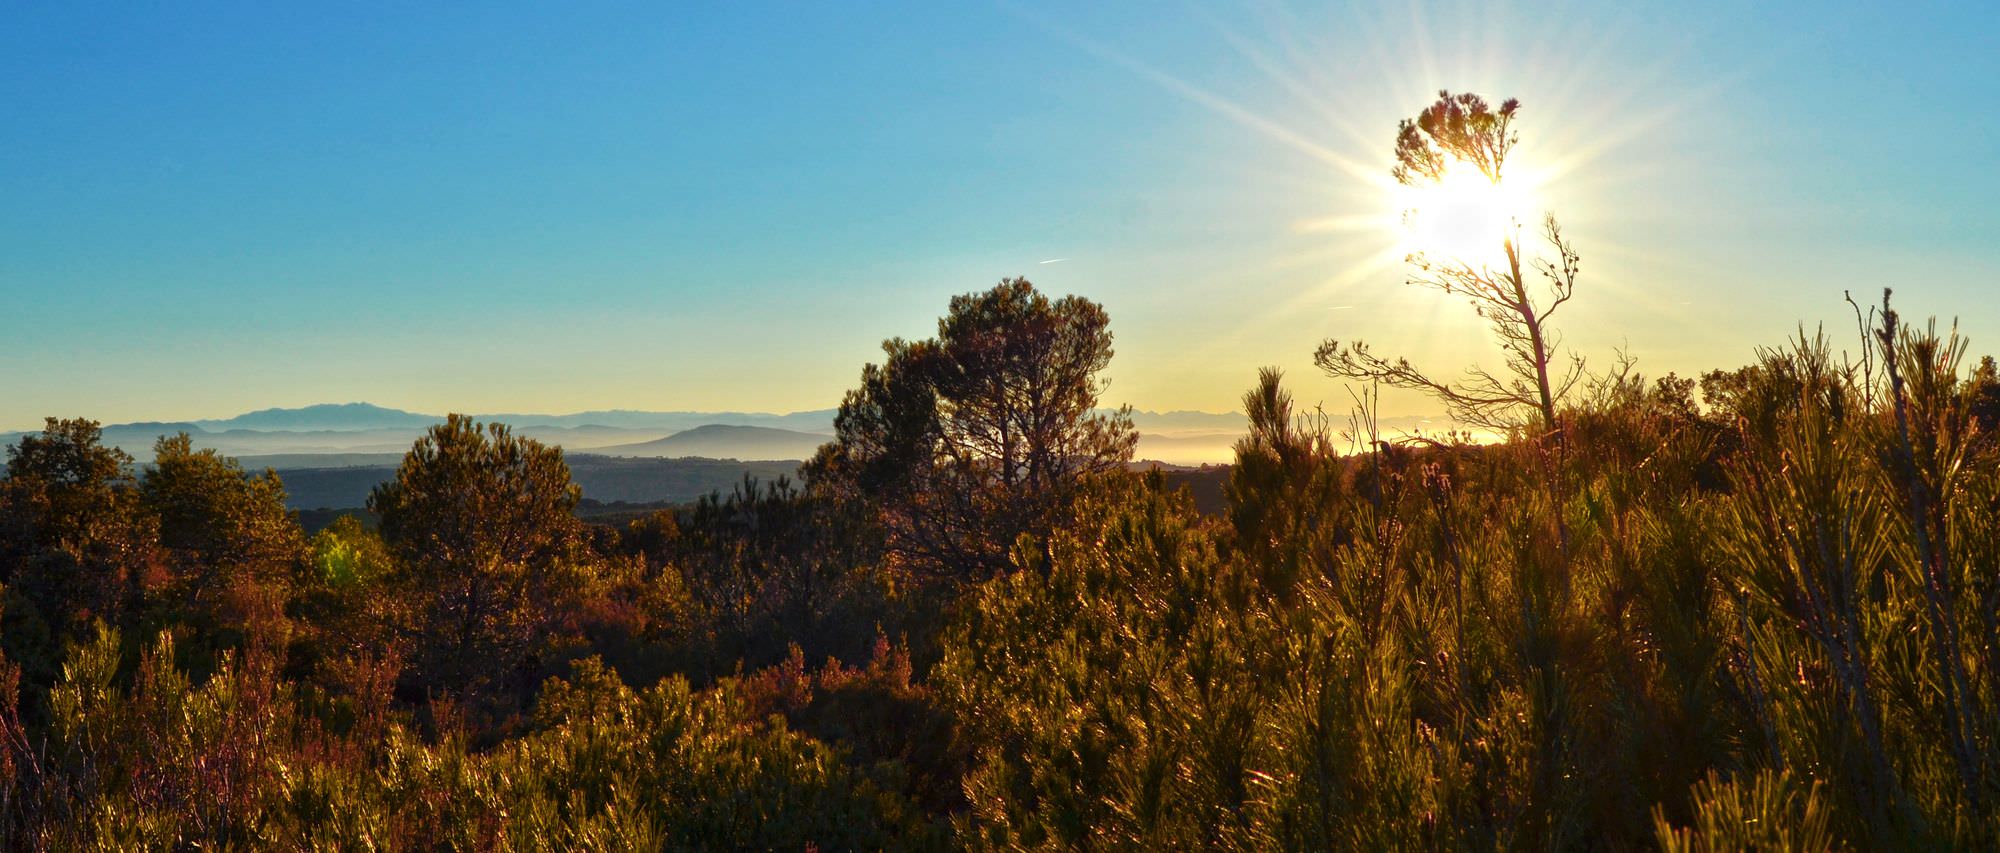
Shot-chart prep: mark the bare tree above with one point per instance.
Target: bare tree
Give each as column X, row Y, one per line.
column 1463, row 129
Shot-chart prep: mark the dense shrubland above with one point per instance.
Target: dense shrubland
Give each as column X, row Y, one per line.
column 1758, row 610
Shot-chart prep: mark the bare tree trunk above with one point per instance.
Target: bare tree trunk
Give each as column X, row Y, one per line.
column 1539, row 352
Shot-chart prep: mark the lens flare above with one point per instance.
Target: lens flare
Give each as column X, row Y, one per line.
column 1463, row 218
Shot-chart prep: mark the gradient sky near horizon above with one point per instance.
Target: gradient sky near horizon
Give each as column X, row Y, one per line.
column 212, row 208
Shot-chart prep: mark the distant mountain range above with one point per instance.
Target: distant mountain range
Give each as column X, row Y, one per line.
column 347, row 431
column 363, row 417
column 333, row 417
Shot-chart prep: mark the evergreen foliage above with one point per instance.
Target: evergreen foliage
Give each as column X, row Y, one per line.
column 959, row 445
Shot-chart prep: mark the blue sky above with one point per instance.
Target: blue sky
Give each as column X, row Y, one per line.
column 210, row 208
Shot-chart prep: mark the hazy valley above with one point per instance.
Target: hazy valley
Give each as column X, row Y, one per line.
column 331, row 455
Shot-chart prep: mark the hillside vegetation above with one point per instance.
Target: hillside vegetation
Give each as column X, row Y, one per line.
column 1757, row 610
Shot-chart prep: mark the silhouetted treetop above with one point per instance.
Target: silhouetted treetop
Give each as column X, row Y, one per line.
column 1462, row 128
column 964, row 442
column 1457, row 127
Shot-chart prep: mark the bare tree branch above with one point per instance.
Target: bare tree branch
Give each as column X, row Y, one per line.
column 1464, row 129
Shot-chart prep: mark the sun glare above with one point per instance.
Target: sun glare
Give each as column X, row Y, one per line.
column 1463, row 218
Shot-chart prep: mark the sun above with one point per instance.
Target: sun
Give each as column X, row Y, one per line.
column 1464, row 217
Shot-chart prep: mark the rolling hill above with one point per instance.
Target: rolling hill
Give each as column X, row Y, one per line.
column 724, row 441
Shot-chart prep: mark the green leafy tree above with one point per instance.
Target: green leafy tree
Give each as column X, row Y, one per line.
column 345, row 610
column 961, row 444
column 231, row 546
column 487, row 550
column 347, row 555
column 75, row 544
